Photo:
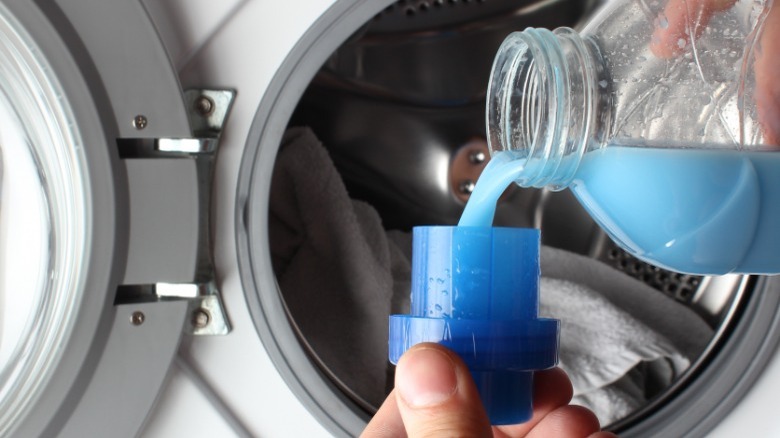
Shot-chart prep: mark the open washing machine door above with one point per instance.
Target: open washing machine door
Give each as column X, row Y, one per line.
column 133, row 162
column 103, row 228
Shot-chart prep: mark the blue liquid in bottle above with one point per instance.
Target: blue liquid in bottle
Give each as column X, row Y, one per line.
column 697, row 211
column 688, row 210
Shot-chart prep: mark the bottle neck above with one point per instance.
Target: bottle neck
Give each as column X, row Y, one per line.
column 544, row 98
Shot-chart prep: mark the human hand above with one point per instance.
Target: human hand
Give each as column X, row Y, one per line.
column 434, row 396
column 683, row 19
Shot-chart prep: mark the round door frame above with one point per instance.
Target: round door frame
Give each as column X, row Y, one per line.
column 322, row 398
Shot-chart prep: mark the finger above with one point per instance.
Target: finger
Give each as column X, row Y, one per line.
column 566, row 422
column 679, row 21
column 552, row 389
column 387, row 422
column 436, row 396
column 767, row 66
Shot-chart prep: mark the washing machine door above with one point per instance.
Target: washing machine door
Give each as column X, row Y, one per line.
column 103, row 256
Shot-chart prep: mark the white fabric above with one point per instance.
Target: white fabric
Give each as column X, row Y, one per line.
column 600, row 344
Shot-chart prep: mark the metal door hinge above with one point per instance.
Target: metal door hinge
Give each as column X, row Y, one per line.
column 206, row 313
column 207, row 110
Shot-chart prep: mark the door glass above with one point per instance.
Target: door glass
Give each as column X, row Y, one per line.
column 44, row 220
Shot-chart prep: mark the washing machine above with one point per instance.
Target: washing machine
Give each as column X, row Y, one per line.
column 138, row 143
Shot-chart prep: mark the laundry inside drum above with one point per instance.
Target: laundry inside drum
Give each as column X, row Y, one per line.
column 389, row 135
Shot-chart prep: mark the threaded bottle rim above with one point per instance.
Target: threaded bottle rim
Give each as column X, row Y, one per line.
column 540, row 104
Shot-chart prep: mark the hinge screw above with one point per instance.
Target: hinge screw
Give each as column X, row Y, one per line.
column 137, row 318
column 204, row 106
column 200, row 318
column 140, row 122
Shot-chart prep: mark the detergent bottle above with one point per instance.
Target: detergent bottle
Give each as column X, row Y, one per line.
column 659, row 116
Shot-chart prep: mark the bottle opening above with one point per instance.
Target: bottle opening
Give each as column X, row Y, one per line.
column 541, row 103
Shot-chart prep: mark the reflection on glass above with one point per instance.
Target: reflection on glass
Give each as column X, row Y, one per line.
column 24, row 231
column 44, row 222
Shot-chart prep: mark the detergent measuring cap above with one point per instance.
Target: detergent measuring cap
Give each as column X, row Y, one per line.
column 475, row 290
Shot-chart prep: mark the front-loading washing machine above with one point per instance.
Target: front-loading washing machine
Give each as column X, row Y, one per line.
column 138, row 144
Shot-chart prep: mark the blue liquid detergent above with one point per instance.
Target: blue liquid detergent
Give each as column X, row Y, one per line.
column 501, row 171
column 688, row 210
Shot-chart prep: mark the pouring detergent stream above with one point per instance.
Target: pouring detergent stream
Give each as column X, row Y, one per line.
column 652, row 116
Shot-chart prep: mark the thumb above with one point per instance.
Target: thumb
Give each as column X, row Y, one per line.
column 436, row 396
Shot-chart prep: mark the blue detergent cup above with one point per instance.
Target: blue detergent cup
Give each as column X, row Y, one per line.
column 475, row 290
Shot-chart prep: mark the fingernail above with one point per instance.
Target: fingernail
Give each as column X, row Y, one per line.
column 425, row 377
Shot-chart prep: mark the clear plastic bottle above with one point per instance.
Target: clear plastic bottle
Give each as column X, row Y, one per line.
column 661, row 118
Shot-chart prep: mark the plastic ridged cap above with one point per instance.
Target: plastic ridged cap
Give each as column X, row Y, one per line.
column 475, row 290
